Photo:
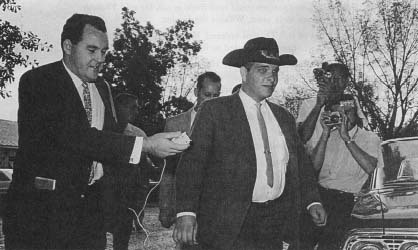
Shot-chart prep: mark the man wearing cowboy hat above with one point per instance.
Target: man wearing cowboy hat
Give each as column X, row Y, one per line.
column 246, row 179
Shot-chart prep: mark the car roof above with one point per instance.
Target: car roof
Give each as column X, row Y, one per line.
column 399, row 139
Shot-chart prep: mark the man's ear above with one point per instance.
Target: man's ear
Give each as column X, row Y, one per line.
column 243, row 71
column 196, row 92
column 67, row 46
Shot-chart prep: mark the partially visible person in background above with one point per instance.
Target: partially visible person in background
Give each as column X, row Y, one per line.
column 125, row 188
column 345, row 156
column 208, row 87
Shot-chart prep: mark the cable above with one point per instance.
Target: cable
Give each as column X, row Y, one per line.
column 137, row 215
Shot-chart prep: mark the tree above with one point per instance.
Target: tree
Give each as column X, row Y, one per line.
column 12, row 38
column 179, row 84
column 378, row 41
column 142, row 56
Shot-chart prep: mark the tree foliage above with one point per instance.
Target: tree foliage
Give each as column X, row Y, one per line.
column 179, row 84
column 378, row 41
column 11, row 40
column 142, row 55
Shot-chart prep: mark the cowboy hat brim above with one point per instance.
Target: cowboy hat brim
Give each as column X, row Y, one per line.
column 239, row 57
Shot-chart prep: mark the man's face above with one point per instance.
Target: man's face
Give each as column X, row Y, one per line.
column 338, row 83
column 260, row 80
column 86, row 58
column 209, row 90
column 129, row 111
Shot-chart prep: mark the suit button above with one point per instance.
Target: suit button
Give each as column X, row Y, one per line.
column 82, row 196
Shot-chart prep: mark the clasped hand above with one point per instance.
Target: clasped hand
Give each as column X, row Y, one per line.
column 161, row 145
column 185, row 230
column 342, row 128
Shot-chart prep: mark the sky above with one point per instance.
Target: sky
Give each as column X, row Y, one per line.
column 221, row 25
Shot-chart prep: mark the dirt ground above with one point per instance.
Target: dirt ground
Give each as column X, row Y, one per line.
column 159, row 237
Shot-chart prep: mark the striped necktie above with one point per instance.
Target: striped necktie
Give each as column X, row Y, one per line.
column 267, row 153
column 87, row 101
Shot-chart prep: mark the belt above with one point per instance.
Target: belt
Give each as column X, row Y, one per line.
column 265, row 203
column 334, row 190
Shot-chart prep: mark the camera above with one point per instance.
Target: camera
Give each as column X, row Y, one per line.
column 333, row 119
column 320, row 74
column 347, row 104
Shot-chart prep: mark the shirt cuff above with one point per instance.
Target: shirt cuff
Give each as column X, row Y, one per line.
column 136, row 151
column 313, row 203
column 185, row 213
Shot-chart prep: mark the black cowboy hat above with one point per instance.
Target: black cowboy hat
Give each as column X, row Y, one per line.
column 260, row 49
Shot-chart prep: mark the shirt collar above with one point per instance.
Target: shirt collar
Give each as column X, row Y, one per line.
column 76, row 80
column 353, row 132
column 247, row 100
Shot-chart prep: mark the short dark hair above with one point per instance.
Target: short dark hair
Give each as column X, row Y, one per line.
column 210, row 75
column 74, row 26
column 337, row 67
column 123, row 99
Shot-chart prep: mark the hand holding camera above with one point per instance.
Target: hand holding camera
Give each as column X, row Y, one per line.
column 333, row 119
column 323, row 80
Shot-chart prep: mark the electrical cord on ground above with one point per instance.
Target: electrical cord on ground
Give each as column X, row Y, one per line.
column 137, row 215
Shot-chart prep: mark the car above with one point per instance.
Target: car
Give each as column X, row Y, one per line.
column 5, row 179
column 385, row 216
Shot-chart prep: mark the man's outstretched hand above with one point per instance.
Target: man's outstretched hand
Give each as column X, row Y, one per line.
column 160, row 144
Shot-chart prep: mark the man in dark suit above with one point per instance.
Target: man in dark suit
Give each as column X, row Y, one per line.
column 125, row 187
column 65, row 119
column 246, row 178
column 208, row 87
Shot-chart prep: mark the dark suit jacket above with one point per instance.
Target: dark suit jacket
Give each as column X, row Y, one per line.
column 180, row 122
column 57, row 142
column 216, row 176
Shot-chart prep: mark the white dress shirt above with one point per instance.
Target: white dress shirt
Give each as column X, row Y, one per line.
column 97, row 121
column 279, row 153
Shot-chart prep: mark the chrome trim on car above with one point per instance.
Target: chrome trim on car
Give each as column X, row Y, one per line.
column 391, row 239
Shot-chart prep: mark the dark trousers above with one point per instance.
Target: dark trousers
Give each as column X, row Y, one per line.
column 38, row 220
column 123, row 189
column 266, row 225
column 338, row 206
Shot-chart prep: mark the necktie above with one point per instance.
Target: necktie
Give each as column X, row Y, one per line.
column 87, row 107
column 267, row 153
column 87, row 101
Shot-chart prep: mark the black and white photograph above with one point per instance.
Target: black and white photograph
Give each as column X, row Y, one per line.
column 209, row 125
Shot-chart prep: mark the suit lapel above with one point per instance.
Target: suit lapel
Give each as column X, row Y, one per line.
column 242, row 136
column 68, row 92
column 284, row 124
column 187, row 126
column 109, row 122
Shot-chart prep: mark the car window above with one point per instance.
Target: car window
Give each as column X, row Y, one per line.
column 400, row 162
column 3, row 177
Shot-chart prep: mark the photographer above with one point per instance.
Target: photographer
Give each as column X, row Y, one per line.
column 344, row 157
column 332, row 80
